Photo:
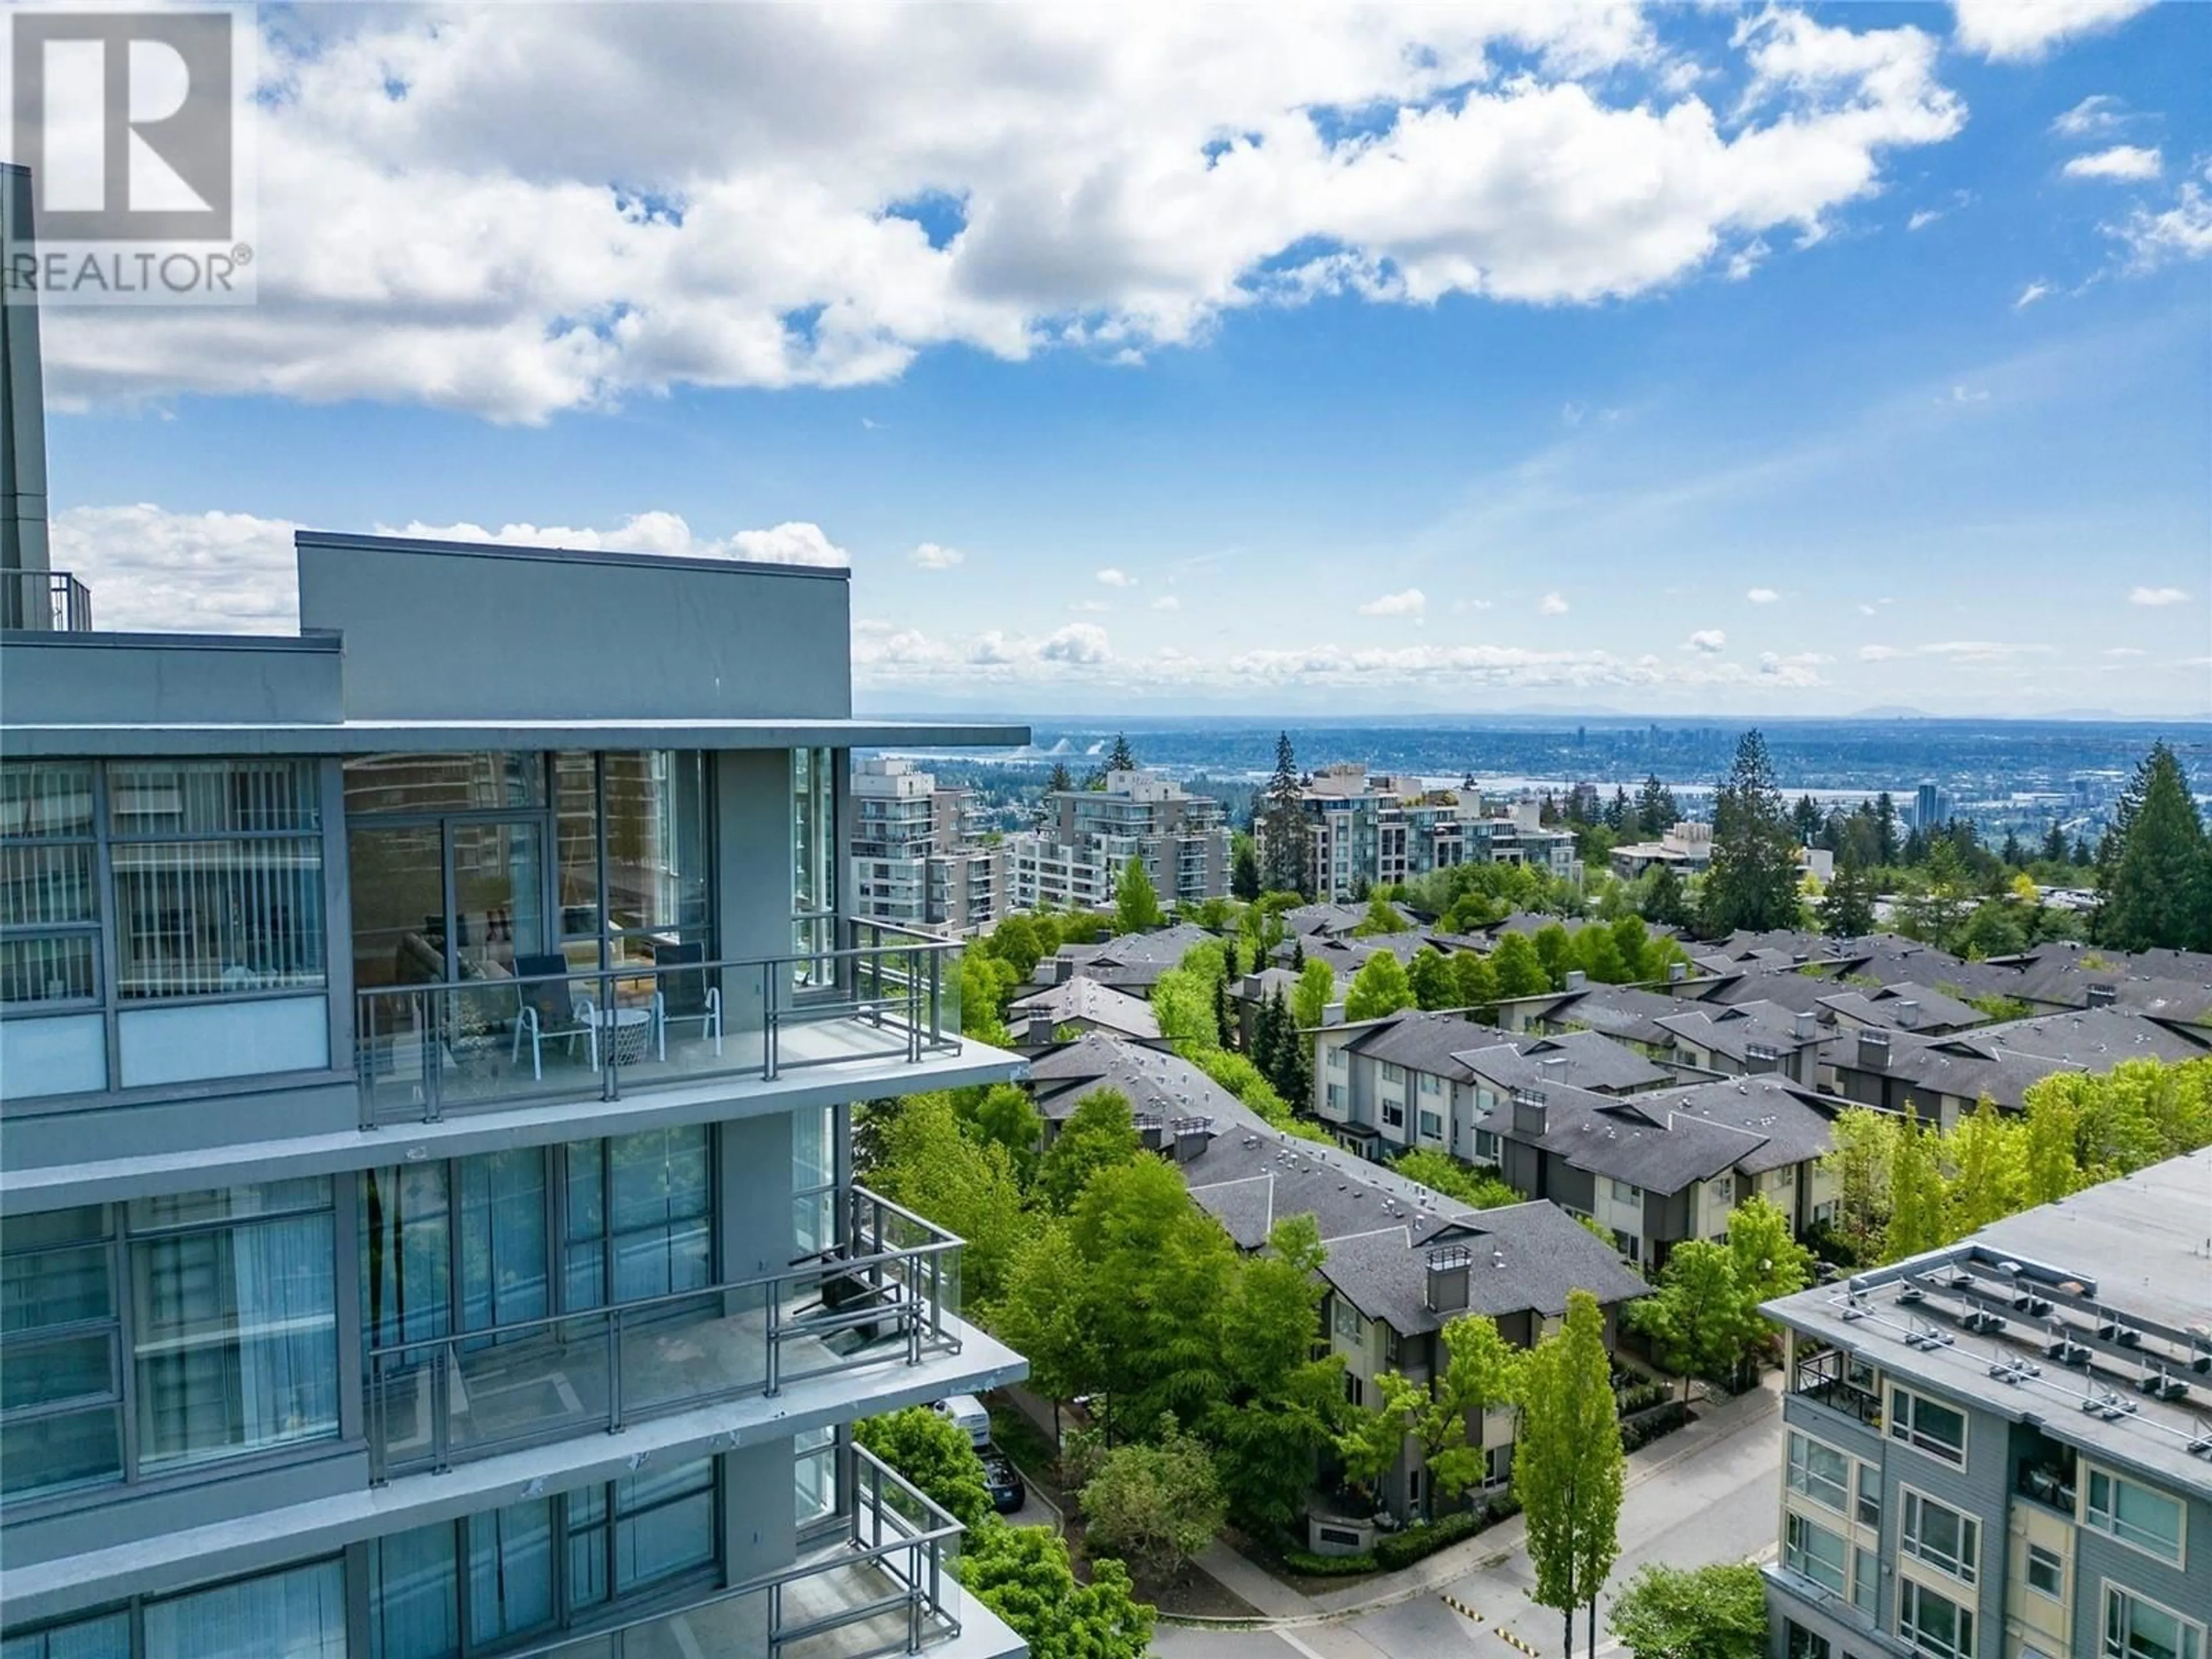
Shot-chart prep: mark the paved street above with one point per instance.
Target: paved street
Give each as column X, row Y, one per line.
column 1706, row 1494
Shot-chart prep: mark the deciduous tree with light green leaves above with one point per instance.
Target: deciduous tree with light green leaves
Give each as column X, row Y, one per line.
column 1434, row 985
column 1569, row 1471
column 1698, row 1612
column 1023, row 1574
column 1481, row 1370
column 1136, row 901
column 1311, row 996
column 1696, row 1320
column 1520, row 971
column 1154, row 1503
column 935, row 1454
column 1100, row 1133
column 1379, row 987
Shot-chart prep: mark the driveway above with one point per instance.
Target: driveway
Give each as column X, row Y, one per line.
column 1707, row 1494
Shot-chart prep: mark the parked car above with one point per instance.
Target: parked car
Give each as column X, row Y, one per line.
column 1002, row 1480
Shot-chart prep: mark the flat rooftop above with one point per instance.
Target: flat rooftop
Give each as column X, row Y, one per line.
column 2091, row 1317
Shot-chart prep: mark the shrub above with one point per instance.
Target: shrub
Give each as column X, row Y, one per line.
column 1641, row 1432
column 1307, row 1562
column 1402, row 1549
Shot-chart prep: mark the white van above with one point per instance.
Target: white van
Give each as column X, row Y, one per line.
column 967, row 1411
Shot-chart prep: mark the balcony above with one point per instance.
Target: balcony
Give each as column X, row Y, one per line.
column 886, row 1298
column 500, row 1040
column 1835, row 1380
column 882, row 1584
column 47, row 601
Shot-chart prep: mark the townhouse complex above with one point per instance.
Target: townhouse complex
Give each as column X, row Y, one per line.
column 1074, row 859
column 2002, row 1448
column 428, row 1041
column 1367, row 830
column 918, row 854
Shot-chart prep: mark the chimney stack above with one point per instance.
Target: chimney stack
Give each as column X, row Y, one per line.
column 1530, row 1112
column 1150, row 1130
column 1908, row 1014
column 1449, row 1266
column 1874, row 1050
column 2101, row 996
column 1191, row 1134
column 1761, row 1057
column 1577, row 979
column 1677, row 972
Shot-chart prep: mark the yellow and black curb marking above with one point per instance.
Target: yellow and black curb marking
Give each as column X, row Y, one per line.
column 1459, row 1607
column 1505, row 1635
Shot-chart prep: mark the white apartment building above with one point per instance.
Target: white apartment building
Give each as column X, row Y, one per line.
column 918, row 854
column 1366, row 830
column 1074, row 861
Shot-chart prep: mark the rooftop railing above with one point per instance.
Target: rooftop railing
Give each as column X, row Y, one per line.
column 889, row 1295
column 507, row 1035
column 49, row 601
column 885, row 1585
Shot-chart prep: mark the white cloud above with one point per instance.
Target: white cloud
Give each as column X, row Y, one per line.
column 1799, row 669
column 2021, row 31
column 1865, row 610
column 232, row 572
column 2094, row 115
column 1552, row 605
column 1113, row 577
column 931, row 557
column 1762, row 595
column 1167, row 602
column 2030, row 295
column 2124, row 651
column 1079, row 645
column 2122, row 162
column 1923, row 218
column 880, row 182
column 1710, row 641
column 1966, row 651
column 2183, row 231
column 1461, row 607
column 1412, row 602
column 2157, row 596
column 1095, row 606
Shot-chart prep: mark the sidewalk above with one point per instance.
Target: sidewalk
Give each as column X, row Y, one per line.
column 1717, row 1421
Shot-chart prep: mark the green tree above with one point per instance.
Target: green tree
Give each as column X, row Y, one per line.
column 1915, row 1191
column 1292, row 1068
column 1665, row 904
column 1440, row 1172
column 1023, row 1574
column 933, row 1453
column 1244, row 869
column 1885, row 848
column 1569, row 1471
column 1861, row 1148
column 1058, row 782
column 1283, row 829
column 1006, row 1117
column 1101, row 1133
column 1770, row 1262
column 1555, row 951
column 1656, row 811
column 1988, row 1176
column 1155, row 1504
column 1379, row 987
column 1752, row 880
column 1016, row 942
column 1696, row 1320
column 1434, row 985
column 1474, row 982
column 926, row 1162
column 1280, row 1406
column 1381, row 917
column 1136, row 901
column 1698, row 1612
column 2153, row 867
column 1938, row 894
column 1183, row 1003
column 1314, row 993
column 1120, row 757
column 1520, row 971
column 1481, row 1370
column 1846, row 909
column 1041, row 1316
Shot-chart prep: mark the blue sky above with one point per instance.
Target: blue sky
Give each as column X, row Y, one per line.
column 1704, row 361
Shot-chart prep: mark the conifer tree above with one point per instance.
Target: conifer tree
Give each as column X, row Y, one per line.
column 1753, row 881
column 2152, row 866
column 1285, row 832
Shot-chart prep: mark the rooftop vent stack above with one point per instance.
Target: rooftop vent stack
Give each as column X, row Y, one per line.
column 1761, row 1057
column 1041, row 1028
column 1449, row 1266
column 1191, row 1134
column 1530, row 1111
column 1577, row 979
column 1677, row 972
column 1874, row 1051
column 2101, row 996
column 1908, row 1014
column 1808, row 1026
column 1149, row 1129
column 1555, row 1068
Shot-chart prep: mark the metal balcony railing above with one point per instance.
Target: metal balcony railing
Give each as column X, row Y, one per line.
column 884, row 1585
column 48, row 601
column 889, row 1295
column 498, row 1037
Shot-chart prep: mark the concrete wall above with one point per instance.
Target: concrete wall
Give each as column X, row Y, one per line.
column 447, row 630
column 160, row 679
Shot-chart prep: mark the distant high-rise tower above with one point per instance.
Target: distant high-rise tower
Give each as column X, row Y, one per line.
column 1931, row 807
column 23, row 421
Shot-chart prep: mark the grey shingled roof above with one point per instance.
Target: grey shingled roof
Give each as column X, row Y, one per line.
column 1623, row 1012
column 1089, row 1000
column 2003, row 1060
column 1134, row 961
column 1793, row 1121
column 1933, row 1011
column 1592, row 1061
column 1154, row 1079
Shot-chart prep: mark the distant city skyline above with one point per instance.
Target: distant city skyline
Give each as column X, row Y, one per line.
column 1676, row 361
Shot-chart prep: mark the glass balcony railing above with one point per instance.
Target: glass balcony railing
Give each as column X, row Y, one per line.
column 882, row 1584
column 889, row 1296
column 501, row 1038
column 1835, row 1380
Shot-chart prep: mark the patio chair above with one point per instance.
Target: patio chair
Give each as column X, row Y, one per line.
column 551, row 1012
column 683, row 995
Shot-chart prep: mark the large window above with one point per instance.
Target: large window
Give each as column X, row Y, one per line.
column 1928, row 1426
column 1941, row 1536
column 234, row 1333
column 640, row 1213
column 49, row 897
column 298, row 1612
column 218, row 875
column 2134, row 1514
column 2138, row 1628
column 483, row 1582
column 1821, row 1472
column 1813, row 1551
column 1934, row 1624
column 224, row 1303
column 813, row 858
